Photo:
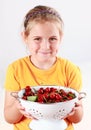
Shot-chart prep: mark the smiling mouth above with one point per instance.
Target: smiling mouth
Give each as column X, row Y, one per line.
column 44, row 53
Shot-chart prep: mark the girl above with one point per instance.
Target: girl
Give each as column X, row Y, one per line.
column 42, row 34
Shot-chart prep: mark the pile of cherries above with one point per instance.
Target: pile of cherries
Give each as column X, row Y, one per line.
column 47, row 95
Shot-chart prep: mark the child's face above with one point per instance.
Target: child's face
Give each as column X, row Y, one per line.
column 43, row 41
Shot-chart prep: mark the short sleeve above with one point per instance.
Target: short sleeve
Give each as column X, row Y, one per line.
column 74, row 77
column 11, row 80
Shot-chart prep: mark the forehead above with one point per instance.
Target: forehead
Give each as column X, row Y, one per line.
column 44, row 27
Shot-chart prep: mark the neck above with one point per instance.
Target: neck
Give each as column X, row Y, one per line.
column 43, row 64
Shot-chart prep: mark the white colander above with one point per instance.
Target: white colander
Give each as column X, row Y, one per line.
column 53, row 112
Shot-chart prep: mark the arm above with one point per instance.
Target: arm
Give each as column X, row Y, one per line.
column 11, row 111
column 77, row 113
column 74, row 77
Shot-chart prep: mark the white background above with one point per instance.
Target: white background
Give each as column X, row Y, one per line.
column 76, row 14
column 76, row 43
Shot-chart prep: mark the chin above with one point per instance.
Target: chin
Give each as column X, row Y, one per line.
column 43, row 59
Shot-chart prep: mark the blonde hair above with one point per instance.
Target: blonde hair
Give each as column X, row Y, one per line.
column 40, row 14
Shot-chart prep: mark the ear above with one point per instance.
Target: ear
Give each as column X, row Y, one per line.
column 24, row 38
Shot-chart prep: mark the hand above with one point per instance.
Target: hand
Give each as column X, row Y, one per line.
column 23, row 112
column 76, row 109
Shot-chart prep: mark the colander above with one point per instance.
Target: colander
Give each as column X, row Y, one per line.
column 52, row 114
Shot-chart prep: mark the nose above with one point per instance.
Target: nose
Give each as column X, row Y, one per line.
column 45, row 44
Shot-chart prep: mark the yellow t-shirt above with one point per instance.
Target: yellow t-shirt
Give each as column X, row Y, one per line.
column 22, row 73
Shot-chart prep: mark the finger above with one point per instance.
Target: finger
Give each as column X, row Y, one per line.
column 28, row 115
column 71, row 113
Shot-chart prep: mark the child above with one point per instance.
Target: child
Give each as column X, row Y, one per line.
column 42, row 34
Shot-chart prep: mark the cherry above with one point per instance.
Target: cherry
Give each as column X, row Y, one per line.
column 48, row 95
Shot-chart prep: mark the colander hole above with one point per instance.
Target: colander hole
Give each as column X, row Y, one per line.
column 63, row 109
column 59, row 110
column 37, row 113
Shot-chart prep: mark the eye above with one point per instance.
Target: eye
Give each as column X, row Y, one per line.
column 53, row 39
column 37, row 39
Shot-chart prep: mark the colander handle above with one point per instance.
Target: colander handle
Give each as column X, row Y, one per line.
column 15, row 95
column 81, row 95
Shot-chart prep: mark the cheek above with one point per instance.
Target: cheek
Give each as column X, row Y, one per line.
column 55, row 47
column 32, row 47
column 54, row 51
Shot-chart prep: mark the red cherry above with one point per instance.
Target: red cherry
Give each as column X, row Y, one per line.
column 27, row 88
column 52, row 95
